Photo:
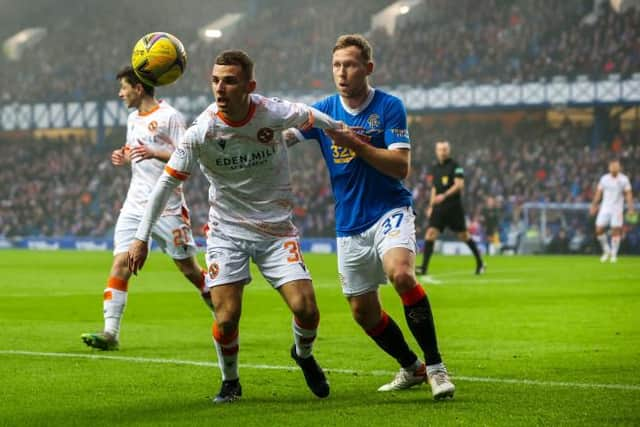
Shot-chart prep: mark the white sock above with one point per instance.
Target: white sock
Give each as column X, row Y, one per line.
column 304, row 339
column 227, row 348
column 436, row 368
column 113, row 305
column 615, row 245
column 604, row 243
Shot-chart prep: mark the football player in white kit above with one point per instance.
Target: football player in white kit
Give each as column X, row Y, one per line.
column 153, row 131
column 237, row 142
column 613, row 188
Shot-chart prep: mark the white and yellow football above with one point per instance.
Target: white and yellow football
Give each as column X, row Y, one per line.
column 159, row 59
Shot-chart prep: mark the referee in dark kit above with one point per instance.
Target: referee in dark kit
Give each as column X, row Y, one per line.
column 445, row 207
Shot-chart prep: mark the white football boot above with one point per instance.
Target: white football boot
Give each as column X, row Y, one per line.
column 441, row 385
column 406, row 378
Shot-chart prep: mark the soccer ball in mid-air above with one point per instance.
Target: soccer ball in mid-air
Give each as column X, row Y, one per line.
column 158, row 59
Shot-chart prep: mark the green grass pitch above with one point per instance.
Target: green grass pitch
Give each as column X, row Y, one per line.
column 537, row 340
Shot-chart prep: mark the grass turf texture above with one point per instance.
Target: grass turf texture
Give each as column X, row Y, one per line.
column 549, row 319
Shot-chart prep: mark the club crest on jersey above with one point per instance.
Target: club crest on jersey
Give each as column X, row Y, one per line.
column 153, row 126
column 373, row 121
column 445, row 180
column 221, row 143
column 214, row 269
column 265, row 135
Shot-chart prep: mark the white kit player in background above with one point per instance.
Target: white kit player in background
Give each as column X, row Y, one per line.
column 238, row 144
column 613, row 188
column 153, row 131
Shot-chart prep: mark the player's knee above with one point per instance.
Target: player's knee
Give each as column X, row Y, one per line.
column 432, row 234
column 403, row 280
column 305, row 309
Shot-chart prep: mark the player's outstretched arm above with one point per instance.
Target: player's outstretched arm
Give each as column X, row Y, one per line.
column 177, row 170
column 394, row 163
column 157, row 201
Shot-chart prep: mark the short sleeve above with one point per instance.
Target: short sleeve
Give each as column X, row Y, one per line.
column 458, row 171
column 627, row 184
column 396, row 132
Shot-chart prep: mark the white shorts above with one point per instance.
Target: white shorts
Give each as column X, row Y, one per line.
column 360, row 256
column 279, row 260
column 609, row 218
column 172, row 233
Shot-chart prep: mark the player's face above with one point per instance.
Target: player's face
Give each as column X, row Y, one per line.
column 614, row 168
column 130, row 95
column 231, row 88
column 442, row 151
column 350, row 72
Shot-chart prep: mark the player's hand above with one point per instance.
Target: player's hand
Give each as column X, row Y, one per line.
column 593, row 210
column 142, row 152
column 438, row 199
column 117, row 157
column 345, row 137
column 138, row 251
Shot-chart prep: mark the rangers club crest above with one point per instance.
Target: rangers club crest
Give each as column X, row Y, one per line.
column 265, row 135
column 153, row 126
column 373, row 121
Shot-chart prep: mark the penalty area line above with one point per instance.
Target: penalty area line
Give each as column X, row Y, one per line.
column 153, row 360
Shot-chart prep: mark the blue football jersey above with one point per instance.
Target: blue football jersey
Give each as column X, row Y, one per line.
column 362, row 193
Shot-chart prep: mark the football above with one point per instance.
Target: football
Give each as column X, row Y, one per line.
column 159, row 59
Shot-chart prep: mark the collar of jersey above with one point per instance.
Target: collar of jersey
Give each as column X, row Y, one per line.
column 247, row 119
column 153, row 110
column 361, row 108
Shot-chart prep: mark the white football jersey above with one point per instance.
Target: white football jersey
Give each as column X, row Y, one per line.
column 613, row 189
column 161, row 128
column 246, row 164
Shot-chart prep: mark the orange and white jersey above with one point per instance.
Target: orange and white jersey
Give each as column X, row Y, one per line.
column 161, row 128
column 613, row 189
column 246, row 164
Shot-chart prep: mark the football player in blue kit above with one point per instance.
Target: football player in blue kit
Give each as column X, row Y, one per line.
column 367, row 161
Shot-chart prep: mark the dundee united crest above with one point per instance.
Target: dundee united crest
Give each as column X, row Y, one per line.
column 214, row 269
column 265, row 135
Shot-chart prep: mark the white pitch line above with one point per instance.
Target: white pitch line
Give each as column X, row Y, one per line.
column 626, row 387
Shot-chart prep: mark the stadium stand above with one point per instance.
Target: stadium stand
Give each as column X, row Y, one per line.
column 523, row 40
column 69, row 187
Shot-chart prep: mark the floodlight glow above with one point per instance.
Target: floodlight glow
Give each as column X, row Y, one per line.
column 213, row 34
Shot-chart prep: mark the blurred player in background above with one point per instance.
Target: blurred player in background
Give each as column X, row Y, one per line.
column 445, row 207
column 237, row 142
column 153, row 131
column 374, row 216
column 611, row 192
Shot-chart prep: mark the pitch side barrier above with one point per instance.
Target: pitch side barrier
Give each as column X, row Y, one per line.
column 310, row 245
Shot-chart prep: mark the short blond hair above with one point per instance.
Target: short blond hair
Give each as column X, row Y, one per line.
column 357, row 40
